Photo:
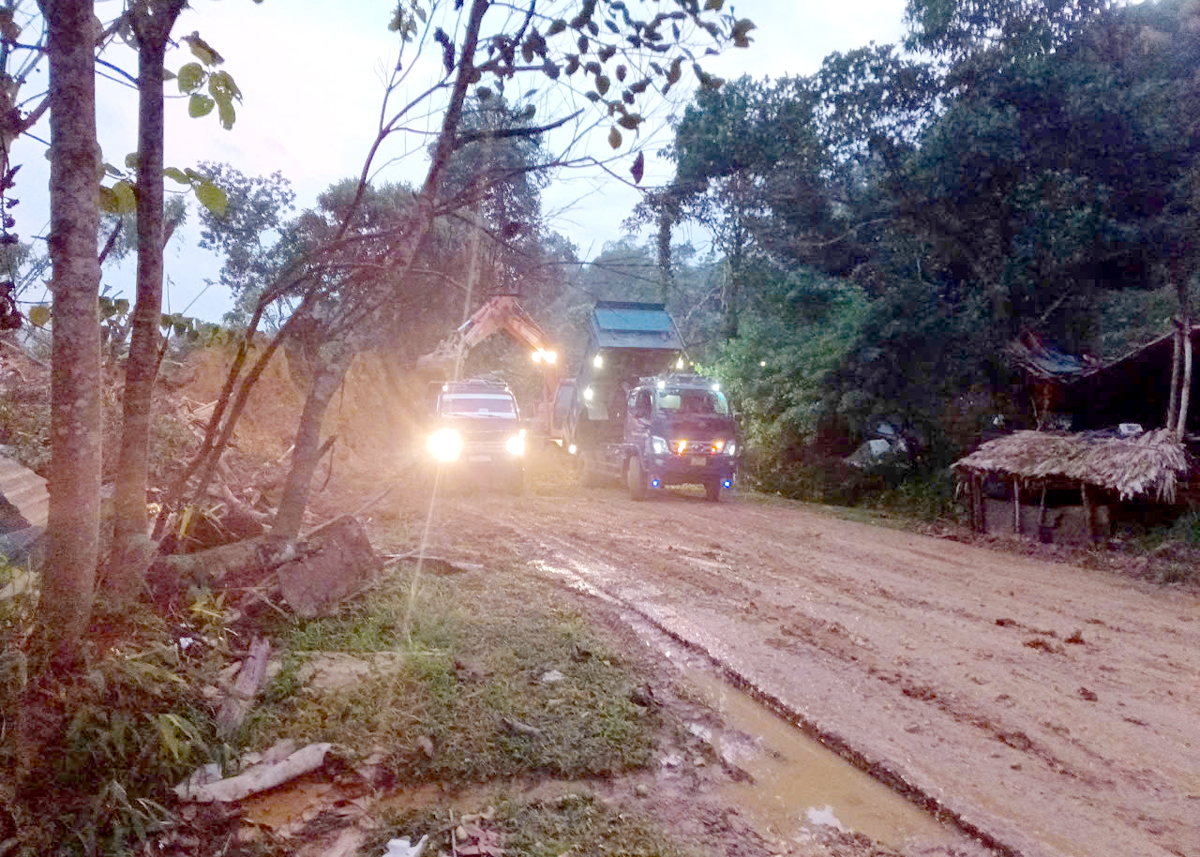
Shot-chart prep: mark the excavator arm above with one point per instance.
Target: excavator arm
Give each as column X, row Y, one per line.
column 500, row 313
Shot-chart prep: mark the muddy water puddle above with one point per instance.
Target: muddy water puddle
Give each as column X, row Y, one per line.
column 798, row 785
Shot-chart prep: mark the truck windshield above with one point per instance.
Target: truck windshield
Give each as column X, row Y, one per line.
column 478, row 404
column 693, row 402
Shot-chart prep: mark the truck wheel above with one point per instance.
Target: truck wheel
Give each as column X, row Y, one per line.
column 637, row 479
column 712, row 490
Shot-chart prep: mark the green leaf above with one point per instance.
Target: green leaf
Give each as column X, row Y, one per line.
column 557, row 27
column 227, row 114
column 39, row 316
column 602, row 84
column 176, row 174
column 126, row 198
column 203, row 51
column 713, row 5
column 164, row 321
column 222, row 87
column 630, row 121
column 131, row 161
column 190, row 77
column 212, row 197
column 122, row 305
column 614, row 138
column 110, row 170
column 200, row 105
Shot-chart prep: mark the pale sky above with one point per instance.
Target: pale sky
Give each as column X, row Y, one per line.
column 311, row 74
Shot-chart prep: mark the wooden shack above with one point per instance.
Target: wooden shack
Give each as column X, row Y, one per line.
column 1098, row 467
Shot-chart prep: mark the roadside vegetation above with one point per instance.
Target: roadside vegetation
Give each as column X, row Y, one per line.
column 469, row 680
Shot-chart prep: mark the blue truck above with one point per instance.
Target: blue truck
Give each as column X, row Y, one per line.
column 631, row 414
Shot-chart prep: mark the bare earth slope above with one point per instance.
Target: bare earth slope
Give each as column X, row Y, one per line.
column 1053, row 710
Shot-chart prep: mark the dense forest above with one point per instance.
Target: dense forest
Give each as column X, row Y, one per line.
column 883, row 228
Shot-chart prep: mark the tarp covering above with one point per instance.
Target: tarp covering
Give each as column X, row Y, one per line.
column 626, row 324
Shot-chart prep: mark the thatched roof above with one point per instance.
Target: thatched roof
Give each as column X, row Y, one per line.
column 1147, row 464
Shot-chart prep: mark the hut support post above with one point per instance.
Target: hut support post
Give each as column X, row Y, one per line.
column 981, row 515
column 1185, row 388
column 1017, row 506
column 1088, row 513
column 1176, row 359
column 1042, row 516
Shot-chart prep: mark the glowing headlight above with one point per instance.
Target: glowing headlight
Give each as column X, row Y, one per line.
column 445, row 445
column 515, row 445
column 730, row 448
column 658, row 445
column 588, row 394
column 598, row 361
column 681, row 446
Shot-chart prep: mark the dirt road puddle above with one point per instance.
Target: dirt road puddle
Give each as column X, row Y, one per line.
column 798, row 785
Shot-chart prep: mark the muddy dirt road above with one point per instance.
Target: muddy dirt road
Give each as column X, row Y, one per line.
column 1051, row 709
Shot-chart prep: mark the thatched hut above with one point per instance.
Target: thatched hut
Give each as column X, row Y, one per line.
column 1149, row 465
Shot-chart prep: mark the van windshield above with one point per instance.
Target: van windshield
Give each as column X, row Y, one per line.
column 690, row 401
column 478, row 404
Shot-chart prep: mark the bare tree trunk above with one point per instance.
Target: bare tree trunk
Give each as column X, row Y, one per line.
column 334, row 359
column 132, row 547
column 665, row 275
column 1185, row 327
column 74, row 520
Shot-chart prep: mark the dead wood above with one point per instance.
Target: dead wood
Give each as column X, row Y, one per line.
column 245, row 563
column 245, row 688
column 265, row 775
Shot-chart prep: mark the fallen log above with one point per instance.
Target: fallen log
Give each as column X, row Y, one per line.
column 245, row 563
column 267, row 774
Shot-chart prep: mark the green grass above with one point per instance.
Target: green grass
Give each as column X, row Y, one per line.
column 464, row 701
column 574, row 823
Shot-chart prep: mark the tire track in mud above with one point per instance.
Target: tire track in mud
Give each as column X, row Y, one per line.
column 913, row 658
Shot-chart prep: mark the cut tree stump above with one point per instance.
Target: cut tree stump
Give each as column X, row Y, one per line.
column 335, row 566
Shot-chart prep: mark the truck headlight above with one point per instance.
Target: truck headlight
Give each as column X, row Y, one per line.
column 658, row 446
column 445, row 445
column 730, row 448
column 515, row 445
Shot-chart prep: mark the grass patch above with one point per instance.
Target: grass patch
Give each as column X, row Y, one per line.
column 121, row 731
column 571, row 824
column 469, row 695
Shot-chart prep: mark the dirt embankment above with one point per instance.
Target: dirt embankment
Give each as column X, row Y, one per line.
column 1049, row 708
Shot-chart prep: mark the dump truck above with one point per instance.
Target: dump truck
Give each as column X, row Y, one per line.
column 631, row 414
